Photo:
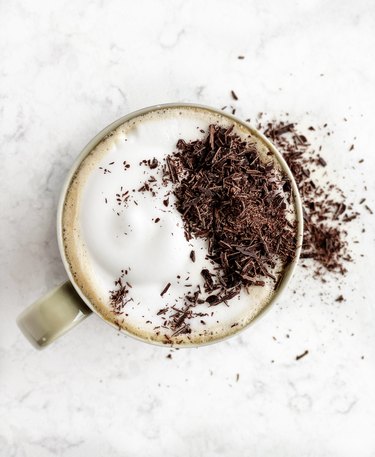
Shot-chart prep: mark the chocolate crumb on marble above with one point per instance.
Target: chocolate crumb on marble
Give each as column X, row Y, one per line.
column 300, row 356
column 324, row 206
column 322, row 162
column 369, row 209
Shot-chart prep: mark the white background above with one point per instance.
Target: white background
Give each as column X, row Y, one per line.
column 67, row 69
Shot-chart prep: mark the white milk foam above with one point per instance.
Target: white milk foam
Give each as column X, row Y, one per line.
column 103, row 237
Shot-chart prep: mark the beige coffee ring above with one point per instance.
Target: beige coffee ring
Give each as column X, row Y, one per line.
column 65, row 306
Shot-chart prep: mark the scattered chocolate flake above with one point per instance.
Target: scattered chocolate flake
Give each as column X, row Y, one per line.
column 144, row 188
column 118, row 296
column 298, row 357
column 369, row 209
column 234, row 111
column 234, row 95
column 322, row 162
column 105, row 170
column 169, row 356
column 237, row 377
column 340, row 299
column 351, row 147
column 149, row 186
column 153, row 163
column 157, row 220
column 324, row 238
column 362, row 201
column 192, row 256
column 162, row 311
column 166, row 202
column 240, row 57
column 165, row 290
column 122, row 198
column 349, row 219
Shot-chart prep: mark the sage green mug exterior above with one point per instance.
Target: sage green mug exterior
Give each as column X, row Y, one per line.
column 64, row 307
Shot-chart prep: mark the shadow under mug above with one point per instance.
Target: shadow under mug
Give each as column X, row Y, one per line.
column 66, row 306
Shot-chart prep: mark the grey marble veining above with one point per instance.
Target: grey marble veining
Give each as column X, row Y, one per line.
column 70, row 68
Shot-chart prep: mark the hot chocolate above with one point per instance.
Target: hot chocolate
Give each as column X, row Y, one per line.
column 168, row 264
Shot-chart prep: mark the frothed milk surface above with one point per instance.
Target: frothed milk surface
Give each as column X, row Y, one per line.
column 112, row 230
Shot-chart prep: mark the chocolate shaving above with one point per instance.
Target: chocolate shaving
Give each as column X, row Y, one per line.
column 153, row 163
column 118, row 296
column 324, row 239
column 298, row 357
column 369, row 209
column 162, row 311
column 322, row 162
column 165, row 290
column 234, row 95
column 228, row 196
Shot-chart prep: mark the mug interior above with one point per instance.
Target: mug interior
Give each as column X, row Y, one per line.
column 101, row 135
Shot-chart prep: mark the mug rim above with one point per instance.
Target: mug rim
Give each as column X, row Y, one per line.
column 288, row 273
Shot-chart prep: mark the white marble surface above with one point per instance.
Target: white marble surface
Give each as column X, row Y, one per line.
column 67, row 69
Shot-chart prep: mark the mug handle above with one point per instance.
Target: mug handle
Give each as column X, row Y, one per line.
column 52, row 315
